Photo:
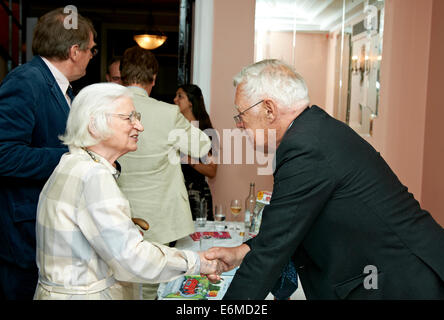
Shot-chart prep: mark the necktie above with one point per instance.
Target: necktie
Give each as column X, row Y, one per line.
column 70, row 93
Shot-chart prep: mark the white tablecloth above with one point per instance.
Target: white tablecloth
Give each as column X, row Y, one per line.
column 236, row 239
column 235, row 229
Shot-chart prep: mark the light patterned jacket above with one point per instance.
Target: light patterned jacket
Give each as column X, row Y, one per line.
column 87, row 245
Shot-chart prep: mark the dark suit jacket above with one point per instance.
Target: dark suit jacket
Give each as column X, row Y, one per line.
column 33, row 112
column 336, row 208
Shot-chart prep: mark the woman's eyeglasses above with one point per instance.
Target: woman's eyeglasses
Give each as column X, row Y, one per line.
column 132, row 117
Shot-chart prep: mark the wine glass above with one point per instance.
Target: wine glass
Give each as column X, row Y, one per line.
column 236, row 208
column 219, row 217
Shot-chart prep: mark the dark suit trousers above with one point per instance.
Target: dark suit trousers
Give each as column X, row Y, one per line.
column 17, row 283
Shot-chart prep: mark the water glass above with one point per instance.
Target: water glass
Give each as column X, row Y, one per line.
column 219, row 217
column 206, row 242
column 201, row 214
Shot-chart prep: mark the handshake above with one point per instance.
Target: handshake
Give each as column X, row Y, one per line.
column 216, row 260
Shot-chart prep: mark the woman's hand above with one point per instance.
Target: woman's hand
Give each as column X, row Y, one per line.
column 141, row 223
column 185, row 159
column 208, row 169
column 214, row 267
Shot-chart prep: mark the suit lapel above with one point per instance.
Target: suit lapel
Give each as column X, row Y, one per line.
column 52, row 83
column 57, row 93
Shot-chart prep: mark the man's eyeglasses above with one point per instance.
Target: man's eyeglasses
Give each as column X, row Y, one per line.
column 94, row 50
column 238, row 118
column 132, row 117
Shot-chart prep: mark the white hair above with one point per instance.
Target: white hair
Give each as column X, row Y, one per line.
column 274, row 79
column 90, row 111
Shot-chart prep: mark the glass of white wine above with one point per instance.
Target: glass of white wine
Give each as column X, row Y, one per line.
column 236, row 208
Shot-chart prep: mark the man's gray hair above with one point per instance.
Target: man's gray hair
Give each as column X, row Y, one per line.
column 274, row 79
column 90, row 110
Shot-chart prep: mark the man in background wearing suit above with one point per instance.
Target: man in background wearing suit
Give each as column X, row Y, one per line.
column 34, row 104
column 151, row 178
column 338, row 212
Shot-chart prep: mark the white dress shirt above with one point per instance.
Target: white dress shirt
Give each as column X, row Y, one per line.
column 60, row 78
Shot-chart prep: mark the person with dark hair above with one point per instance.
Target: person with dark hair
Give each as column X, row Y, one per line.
column 35, row 100
column 151, row 176
column 191, row 104
column 113, row 71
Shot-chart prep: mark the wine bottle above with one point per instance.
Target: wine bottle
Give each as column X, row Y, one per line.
column 250, row 203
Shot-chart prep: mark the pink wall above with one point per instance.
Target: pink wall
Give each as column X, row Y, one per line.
column 433, row 169
column 406, row 97
column 233, row 48
column 399, row 128
column 330, row 73
column 311, row 62
column 309, row 56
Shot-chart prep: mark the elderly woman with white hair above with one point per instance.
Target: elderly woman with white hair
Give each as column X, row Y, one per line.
column 87, row 245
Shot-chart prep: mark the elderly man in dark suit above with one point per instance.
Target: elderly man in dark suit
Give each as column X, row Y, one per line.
column 338, row 212
column 34, row 104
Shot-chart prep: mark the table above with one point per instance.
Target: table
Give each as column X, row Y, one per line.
column 236, row 239
column 190, row 287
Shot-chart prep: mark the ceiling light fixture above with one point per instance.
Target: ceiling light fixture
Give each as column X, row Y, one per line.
column 150, row 41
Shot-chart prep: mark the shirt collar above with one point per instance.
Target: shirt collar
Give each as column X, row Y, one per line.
column 60, row 78
column 138, row 90
column 99, row 159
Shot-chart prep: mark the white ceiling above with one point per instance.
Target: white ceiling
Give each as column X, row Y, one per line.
column 305, row 15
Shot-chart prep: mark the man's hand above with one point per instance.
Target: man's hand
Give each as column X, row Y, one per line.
column 229, row 258
column 213, row 267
